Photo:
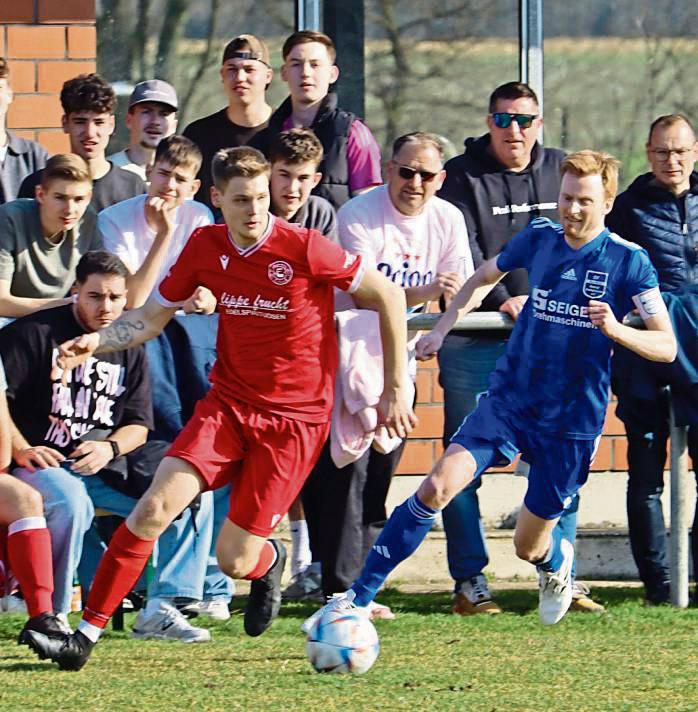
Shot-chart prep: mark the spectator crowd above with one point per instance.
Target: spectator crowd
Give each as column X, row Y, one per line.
column 87, row 237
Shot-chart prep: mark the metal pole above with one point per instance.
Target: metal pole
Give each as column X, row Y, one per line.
column 679, row 512
column 308, row 15
column 531, row 47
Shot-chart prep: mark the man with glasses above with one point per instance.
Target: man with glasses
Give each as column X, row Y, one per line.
column 418, row 241
column 501, row 182
column 658, row 212
column 245, row 74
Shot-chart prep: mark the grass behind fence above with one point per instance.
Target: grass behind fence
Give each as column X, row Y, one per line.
column 631, row 658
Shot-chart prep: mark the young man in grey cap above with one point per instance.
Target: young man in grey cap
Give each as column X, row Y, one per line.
column 152, row 116
column 246, row 74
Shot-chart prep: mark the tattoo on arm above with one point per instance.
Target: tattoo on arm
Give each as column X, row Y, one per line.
column 121, row 335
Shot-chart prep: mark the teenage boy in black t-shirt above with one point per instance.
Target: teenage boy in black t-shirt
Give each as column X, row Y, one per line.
column 246, row 74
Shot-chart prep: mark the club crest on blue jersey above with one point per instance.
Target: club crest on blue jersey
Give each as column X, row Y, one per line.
column 595, row 284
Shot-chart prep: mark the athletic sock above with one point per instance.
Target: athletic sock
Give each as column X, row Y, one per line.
column 267, row 558
column 118, row 571
column 552, row 561
column 300, row 546
column 29, row 554
column 403, row 533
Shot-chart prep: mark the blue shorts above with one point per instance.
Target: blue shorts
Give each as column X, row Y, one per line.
column 559, row 466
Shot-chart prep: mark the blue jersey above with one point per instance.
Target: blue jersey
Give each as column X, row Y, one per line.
column 555, row 372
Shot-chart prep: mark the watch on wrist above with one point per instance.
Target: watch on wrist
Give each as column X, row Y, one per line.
column 115, row 449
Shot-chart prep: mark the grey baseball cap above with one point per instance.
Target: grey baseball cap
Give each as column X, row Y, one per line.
column 153, row 90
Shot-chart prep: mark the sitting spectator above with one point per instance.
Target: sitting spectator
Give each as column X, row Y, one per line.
column 66, row 437
column 88, row 103
column 352, row 160
column 25, row 544
column 18, row 156
column 149, row 231
column 245, row 75
column 151, row 117
column 656, row 213
column 41, row 240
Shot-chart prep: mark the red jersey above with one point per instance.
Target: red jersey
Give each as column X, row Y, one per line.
column 277, row 347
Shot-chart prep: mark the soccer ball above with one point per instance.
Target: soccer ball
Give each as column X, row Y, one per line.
column 342, row 641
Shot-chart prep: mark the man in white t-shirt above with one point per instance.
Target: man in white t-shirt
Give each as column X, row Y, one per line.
column 149, row 231
column 419, row 242
column 151, row 117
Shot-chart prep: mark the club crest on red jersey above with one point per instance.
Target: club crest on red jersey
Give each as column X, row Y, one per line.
column 280, row 272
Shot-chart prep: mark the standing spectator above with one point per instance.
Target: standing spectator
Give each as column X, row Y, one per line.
column 42, row 239
column 417, row 241
column 659, row 211
column 88, row 103
column 149, row 231
column 151, row 117
column 19, row 157
column 295, row 156
column 352, row 161
column 245, row 74
column 501, row 182
column 66, row 435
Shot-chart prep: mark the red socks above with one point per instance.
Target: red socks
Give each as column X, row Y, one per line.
column 29, row 556
column 266, row 560
column 116, row 575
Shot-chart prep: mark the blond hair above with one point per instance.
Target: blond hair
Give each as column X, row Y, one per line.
column 238, row 162
column 592, row 163
column 65, row 166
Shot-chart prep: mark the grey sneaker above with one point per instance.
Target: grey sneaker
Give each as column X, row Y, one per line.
column 167, row 623
column 473, row 597
column 555, row 589
column 305, row 586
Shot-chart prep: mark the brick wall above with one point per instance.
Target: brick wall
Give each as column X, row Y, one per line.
column 424, row 445
column 46, row 42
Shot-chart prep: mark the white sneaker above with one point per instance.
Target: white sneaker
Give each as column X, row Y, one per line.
column 216, row 608
column 167, row 623
column 555, row 589
column 340, row 601
column 13, row 604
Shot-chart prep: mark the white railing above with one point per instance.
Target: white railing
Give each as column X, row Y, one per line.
column 680, row 517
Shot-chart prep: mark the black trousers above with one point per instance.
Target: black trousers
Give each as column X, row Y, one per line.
column 345, row 511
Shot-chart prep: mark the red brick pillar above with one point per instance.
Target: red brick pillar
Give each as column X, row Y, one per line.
column 45, row 42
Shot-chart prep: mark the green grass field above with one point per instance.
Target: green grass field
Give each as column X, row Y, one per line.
column 631, row 658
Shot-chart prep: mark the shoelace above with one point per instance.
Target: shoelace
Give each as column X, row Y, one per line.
column 554, row 581
column 580, row 589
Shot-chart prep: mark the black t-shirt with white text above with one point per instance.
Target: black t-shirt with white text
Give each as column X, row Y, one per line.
column 108, row 392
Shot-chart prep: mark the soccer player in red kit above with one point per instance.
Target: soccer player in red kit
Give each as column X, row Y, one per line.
column 264, row 421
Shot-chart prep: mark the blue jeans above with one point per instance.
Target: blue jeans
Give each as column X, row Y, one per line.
column 465, row 365
column 216, row 583
column 180, row 556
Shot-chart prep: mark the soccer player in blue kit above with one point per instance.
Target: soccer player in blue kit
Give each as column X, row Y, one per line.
column 548, row 394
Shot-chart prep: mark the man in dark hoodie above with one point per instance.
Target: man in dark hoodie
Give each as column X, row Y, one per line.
column 659, row 211
column 352, row 160
column 501, row 182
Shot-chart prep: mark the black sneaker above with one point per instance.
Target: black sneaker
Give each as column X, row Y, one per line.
column 71, row 652
column 265, row 595
column 47, row 623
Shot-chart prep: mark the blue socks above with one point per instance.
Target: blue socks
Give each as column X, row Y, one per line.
column 403, row 533
column 553, row 559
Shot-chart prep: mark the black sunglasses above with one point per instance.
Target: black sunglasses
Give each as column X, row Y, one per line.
column 409, row 173
column 503, row 119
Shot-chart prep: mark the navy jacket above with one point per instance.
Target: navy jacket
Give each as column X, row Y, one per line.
column 497, row 203
column 23, row 158
column 666, row 226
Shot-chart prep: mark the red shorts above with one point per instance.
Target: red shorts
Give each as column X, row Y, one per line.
column 266, row 457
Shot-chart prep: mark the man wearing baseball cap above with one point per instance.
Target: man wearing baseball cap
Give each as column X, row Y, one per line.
column 152, row 116
column 246, row 74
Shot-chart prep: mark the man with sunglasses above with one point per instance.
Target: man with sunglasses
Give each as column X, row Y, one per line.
column 657, row 212
column 418, row 241
column 502, row 181
column 245, row 75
